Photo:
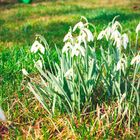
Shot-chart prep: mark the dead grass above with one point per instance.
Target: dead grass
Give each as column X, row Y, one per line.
column 105, row 3
column 28, row 120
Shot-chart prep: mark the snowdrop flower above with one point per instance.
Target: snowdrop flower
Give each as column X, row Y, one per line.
column 76, row 45
column 37, row 46
column 125, row 40
column 122, row 63
column 116, row 25
column 119, row 39
column 138, row 28
column 81, row 49
column 118, row 42
column 69, row 73
column 115, row 34
column 67, row 47
column 101, row 35
column 2, row 116
column 88, row 34
column 111, row 32
column 39, row 64
column 79, row 25
column 77, row 50
column 25, row 72
column 68, row 36
column 108, row 32
column 136, row 60
column 82, row 38
column 85, row 36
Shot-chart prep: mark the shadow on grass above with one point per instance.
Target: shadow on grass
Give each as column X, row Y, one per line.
column 2, row 21
column 55, row 31
column 107, row 16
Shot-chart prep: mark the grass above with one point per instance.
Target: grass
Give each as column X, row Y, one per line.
column 19, row 24
column 22, row 22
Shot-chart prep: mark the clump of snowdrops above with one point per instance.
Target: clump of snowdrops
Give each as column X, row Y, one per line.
column 91, row 70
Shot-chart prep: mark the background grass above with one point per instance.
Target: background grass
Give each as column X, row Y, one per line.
column 20, row 23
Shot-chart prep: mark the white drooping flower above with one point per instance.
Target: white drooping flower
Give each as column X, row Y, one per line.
column 25, row 72
column 122, row 64
column 89, row 34
column 138, row 28
column 108, row 32
column 115, row 34
column 118, row 42
column 39, row 64
column 2, row 116
column 75, row 52
column 79, row 25
column 76, row 44
column 111, row 32
column 68, row 36
column 119, row 39
column 68, row 46
column 85, row 36
column 69, row 73
column 125, row 40
column 81, row 38
column 116, row 25
column 78, row 50
column 101, row 35
column 135, row 60
column 37, row 46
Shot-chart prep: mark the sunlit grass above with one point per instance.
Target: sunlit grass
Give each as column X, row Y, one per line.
column 19, row 23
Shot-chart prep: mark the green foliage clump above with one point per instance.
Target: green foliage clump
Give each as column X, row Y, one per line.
column 90, row 70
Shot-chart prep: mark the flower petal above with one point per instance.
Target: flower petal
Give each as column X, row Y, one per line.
column 68, row 36
column 89, row 34
column 25, row 72
column 135, row 59
column 34, row 47
column 79, row 25
column 66, row 47
column 101, row 35
column 39, row 64
column 2, row 116
column 138, row 28
column 125, row 40
column 69, row 73
column 41, row 48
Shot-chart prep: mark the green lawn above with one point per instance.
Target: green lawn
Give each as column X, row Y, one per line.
column 19, row 24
